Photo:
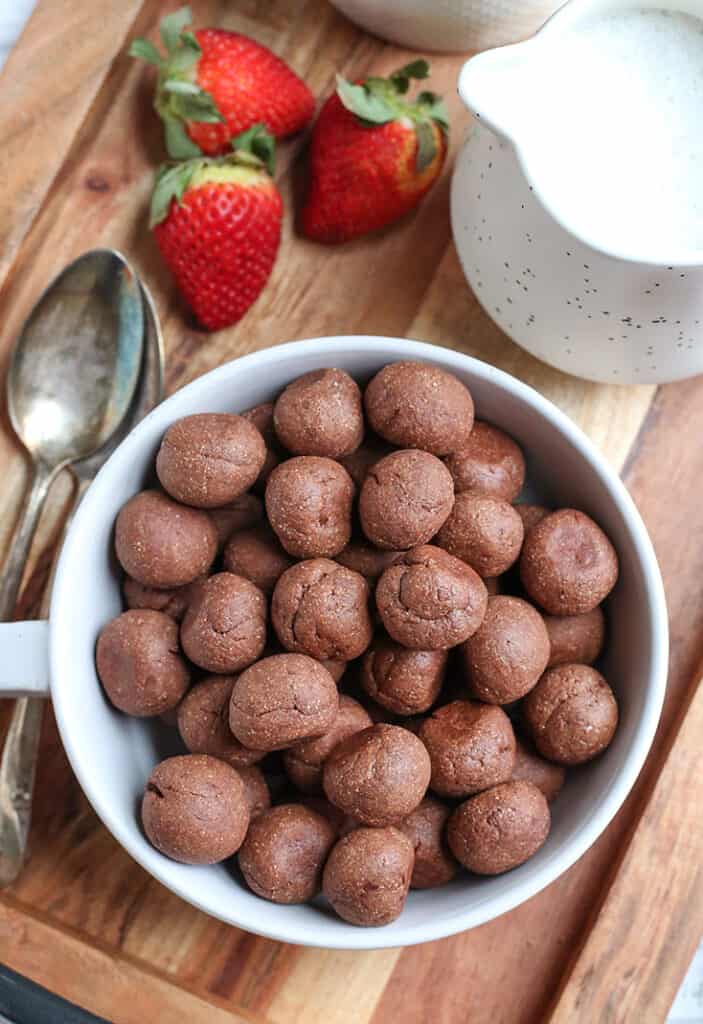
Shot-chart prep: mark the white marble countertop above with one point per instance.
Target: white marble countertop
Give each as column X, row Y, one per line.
column 688, row 1006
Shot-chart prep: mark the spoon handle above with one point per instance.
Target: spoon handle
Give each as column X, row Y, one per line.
column 19, row 754
column 22, row 539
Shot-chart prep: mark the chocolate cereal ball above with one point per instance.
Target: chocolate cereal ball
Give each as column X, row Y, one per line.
column 172, row 602
column 245, row 511
column 320, row 414
column 367, row 875
column 194, row 809
column 429, row 600
column 489, row 463
column 568, row 565
column 508, row 652
column 531, row 514
column 163, row 544
column 572, row 714
column 484, row 532
column 404, row 499
column 309, row 502
column 203, row 722
column 139, row 663
column 304, row 761
column 209, row 459
column 471, row 747
column 530, row 767
column 575, row 639
column 256, row 555
column 378, row 775
column 434, row 862
column 335, row 667
column 224, row 629
column 261, row 416
column 366, row 559
column 282, row 699
column 415, row 405
column 500, row 828
column 256, row 790
column 404, row 681
column 284, row 852
column 321, row 609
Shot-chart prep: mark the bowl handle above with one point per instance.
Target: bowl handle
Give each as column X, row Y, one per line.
column 24, row 659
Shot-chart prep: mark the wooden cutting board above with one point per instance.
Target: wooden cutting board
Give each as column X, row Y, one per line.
column 80, row 145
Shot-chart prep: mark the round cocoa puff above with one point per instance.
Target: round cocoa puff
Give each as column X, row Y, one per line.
column 404, row 681
column 367, row 875
column 568, row 565
column 256, row 791
column 531, row 514
column 484, row 532
column 172, row 602
column 429, row 600
column 366, row 559
column 471, row 747
column 378, row 775
column 500, row 828
column 358, row 463
column 309, row 502
column 489, row 463
column 575, row 639
column 224, row 629
column 320, row 414
column 163, row 544
column 139, row 663
column 321, row 609
column 282, row 699
column 572, row 714
column 337, row 819
column 508, row 652
column 256, row 555
column 404, row 499
column 203, row 722
column 262, row 418
column 245, row 511
column 194, row 809
column 284, row 852
column 209, row 459
column 415, row 405
column 304, row 761
column 434, row 862
column 530, row 767
column 335, row 667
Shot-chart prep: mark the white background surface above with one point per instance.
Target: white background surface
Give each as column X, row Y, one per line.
column 688, row 1008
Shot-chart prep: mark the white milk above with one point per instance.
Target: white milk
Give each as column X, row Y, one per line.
column 612, row 130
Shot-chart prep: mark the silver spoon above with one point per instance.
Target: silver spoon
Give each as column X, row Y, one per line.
column 71, row 384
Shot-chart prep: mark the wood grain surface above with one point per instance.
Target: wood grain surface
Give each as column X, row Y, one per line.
column 81, row 896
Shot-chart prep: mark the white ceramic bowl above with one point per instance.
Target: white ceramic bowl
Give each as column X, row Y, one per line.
column 449, row 26
column 112, row 755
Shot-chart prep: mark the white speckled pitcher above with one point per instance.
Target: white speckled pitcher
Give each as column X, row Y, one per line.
column 599, row 314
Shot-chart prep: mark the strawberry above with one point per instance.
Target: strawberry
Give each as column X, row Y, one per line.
column 217, row 222
column 373, row 155
column 213, row 84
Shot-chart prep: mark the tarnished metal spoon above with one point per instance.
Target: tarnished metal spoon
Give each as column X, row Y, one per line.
column 72, row 382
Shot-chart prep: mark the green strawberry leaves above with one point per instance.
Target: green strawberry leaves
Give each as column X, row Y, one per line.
column 378, row 101
column 259, row 143
column 179, row 98
column 171, row 27
column 253, row 148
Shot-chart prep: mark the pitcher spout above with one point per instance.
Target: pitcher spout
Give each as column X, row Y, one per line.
column 492, row 83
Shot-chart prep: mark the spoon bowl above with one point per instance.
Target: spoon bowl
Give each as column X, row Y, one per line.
column 75, row 366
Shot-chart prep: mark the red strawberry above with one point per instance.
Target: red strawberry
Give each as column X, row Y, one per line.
column 373, row 155
column 215, row 84
column 217, row 222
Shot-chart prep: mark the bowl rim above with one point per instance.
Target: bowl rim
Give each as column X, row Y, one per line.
column 586, row 834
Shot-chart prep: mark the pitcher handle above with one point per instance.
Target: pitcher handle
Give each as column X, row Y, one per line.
column 24, row 659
